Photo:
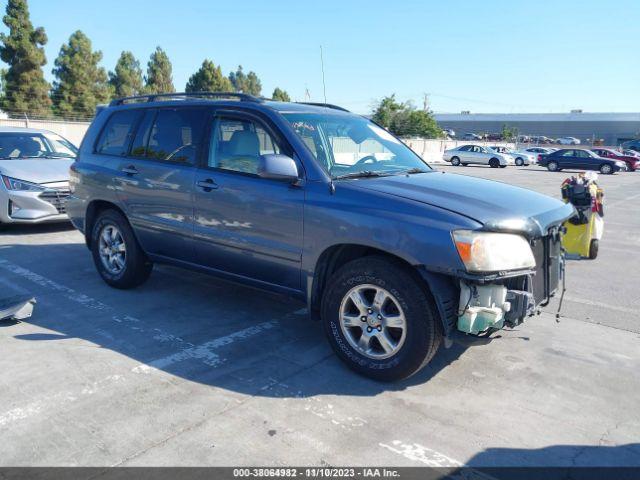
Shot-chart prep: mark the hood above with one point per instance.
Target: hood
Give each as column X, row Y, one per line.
column 37, row 170
column 498, row 206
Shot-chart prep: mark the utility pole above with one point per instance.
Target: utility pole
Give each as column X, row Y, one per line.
column 425, row 102
column 324, row 86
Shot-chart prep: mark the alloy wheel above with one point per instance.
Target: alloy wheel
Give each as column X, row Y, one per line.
column 112, row 249
column 373, row 321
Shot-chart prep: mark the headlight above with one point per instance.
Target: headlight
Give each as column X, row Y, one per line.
column 493, row 252
column 15, row 184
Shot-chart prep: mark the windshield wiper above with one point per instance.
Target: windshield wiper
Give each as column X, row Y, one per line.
column 412, row 171
column 363, row 174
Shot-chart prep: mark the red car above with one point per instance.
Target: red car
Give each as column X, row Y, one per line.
column 633, row 163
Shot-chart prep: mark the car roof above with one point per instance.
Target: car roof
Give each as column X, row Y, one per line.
column 22, row 130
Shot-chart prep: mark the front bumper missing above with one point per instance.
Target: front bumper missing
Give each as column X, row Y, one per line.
column 496, row 302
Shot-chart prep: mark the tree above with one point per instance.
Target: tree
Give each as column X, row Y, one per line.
column 280, row 95
column 159, row 77
column 404, row 120
column 25, row 89
column 508, row 134
column 209, row 79
column 246, row 83
column 80, row 83
column 126, row 80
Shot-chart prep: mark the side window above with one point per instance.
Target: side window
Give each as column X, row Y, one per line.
column 141, row 140
column 116, row 134
column 466, row 148
column 174, row 135
column 582, row 154
column 236, row 145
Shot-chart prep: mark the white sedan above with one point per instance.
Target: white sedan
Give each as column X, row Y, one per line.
column 520, row 157
column 568, row 141
column 477, row 154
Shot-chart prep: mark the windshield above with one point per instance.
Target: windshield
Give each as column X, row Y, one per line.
column 34, row 145
column 350, row 146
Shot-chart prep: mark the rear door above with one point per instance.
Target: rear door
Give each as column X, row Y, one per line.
column 586, row 161
column 246, row 225
column 156, row 180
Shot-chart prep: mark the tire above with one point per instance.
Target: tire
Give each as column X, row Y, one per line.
column 120, row 269
column 519, row 162
column 606, row 169
column 411, row 346
column 455, row 161
column 553, row 166
column 593, row 249
column 494, row 163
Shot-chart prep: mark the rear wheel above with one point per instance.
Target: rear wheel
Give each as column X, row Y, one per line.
column 519, row 162
column 606, row 169
column 552, row 166
column 118, row 258
column 379, row 319
column 455, row 161
column 494, row 163
column 593, row 249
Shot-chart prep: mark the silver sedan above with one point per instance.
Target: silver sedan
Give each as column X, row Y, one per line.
column 34, row 174
column 477, row 154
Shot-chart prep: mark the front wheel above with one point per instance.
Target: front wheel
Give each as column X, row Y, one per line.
column 379, row 319
column 455, row 161
column 593, row 249
column 116, row 254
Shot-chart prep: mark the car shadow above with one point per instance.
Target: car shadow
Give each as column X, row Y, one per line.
column 36, row 228
column 554, row 462
column 193, row 326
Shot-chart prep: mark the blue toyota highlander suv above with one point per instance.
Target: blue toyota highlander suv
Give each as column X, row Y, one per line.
column 309, row 200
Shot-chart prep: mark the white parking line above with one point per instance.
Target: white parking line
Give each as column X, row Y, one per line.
column 607, row 306
column 206, row 351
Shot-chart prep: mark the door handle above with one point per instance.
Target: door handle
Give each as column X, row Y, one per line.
column 130, row 170
column 207, row 185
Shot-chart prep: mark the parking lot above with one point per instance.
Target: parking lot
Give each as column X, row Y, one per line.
column 191, row 370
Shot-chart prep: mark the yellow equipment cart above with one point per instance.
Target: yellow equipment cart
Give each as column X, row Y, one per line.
column 585, row 229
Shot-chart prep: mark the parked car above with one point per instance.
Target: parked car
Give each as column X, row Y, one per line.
column 476, row 154
column 34, row 167
column 471, row 136
column 631, row 153
column 493, row 137
column 449, row 132
column 383, row 249
column 520, row 158
column 539, row 151
column 567, row 141
column 580, row 160
column 632, row 145
column 541, row 139
column 633, row 162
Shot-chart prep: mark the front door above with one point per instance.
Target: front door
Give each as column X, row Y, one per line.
column 246, row 225
column 156, row 180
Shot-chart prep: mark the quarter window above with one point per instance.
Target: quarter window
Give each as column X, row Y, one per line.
column 236, row 145
column 116, row 135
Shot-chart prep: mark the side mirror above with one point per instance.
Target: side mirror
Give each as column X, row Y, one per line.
column 278, row 167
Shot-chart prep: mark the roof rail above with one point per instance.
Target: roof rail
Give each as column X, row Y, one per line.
column 326, row 105
column 243, row 97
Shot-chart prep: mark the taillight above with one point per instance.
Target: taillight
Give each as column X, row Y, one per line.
column 539, row 157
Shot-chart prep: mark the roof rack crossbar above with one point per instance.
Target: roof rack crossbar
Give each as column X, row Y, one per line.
column 154, row 96
column 326, row 105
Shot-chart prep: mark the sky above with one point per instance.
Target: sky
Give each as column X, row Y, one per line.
column 483, row 56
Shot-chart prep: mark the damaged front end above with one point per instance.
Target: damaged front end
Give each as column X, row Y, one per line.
column 494, row 300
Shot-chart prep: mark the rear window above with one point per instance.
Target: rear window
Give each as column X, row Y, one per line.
column 172, row 135
column 116, row 135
